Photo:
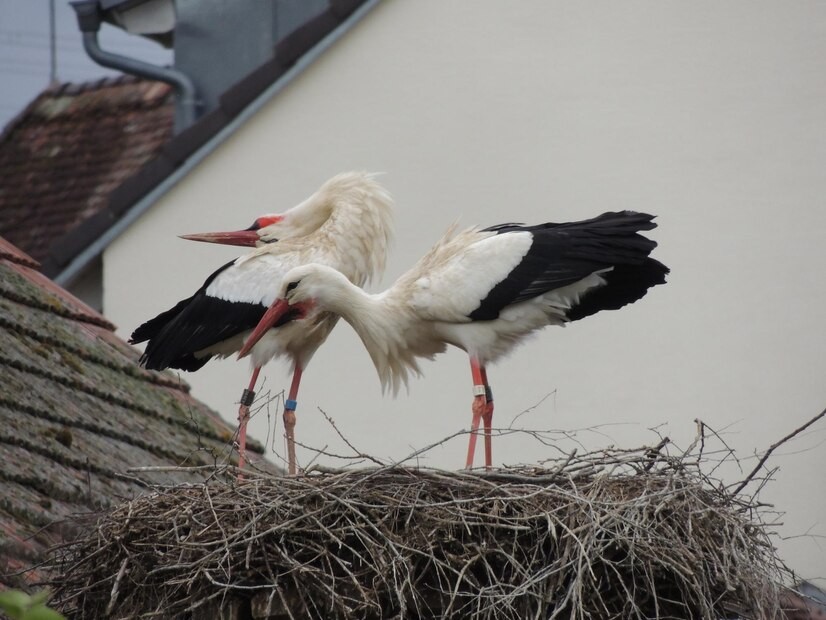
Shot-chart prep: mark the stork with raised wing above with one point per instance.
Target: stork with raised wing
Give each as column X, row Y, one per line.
column 346, row 225
column 482, row 291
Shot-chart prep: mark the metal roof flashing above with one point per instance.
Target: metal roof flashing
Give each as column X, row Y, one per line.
column 75, row 267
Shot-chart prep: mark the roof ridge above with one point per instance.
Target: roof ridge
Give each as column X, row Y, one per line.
column 77, row 88
column 13, row 254
column 27, row 267
column 72, row 89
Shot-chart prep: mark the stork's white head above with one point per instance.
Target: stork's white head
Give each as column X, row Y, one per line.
column 288, row 225
column 305, row 289
column 317, row 284
column 353, row 191
column 346, row 204
column 265, row 229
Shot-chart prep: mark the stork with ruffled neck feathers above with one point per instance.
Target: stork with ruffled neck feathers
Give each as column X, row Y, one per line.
column 483, row 291
column 346, row 225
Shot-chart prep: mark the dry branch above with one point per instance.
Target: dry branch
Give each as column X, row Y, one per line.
column 774, row 446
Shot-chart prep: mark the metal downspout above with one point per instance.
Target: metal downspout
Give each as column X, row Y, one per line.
column 89, row 19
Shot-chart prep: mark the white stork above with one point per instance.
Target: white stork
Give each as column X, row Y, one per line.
column 346, row 224
column 482, row 291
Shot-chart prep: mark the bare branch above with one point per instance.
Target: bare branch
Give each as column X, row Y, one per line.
column 773, row 447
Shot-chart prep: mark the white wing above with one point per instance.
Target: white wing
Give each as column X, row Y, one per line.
column 452, row 279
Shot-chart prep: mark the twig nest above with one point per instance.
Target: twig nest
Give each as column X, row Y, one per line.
column 652, row 538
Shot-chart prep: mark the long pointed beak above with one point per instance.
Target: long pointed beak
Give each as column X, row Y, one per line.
column 270, row 318
column 238, row 237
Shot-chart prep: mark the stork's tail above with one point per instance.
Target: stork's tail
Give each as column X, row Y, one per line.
column 625, row 284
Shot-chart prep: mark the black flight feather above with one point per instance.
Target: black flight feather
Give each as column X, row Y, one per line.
column 562, row 254
column 194, row 324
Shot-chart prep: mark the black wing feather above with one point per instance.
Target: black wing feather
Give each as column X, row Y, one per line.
column 562, row 254
column 150, row 329
column 194, row 324
column 625, row 284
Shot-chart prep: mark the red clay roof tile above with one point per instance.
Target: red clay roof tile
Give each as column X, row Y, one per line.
column 71, row 147
column 77, row 412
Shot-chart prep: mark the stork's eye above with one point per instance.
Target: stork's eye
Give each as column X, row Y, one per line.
column 292, row 285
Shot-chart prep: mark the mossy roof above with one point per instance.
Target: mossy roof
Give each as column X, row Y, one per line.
column 77, row 413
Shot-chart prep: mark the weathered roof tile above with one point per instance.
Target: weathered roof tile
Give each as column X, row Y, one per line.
column 77, row 412
column 74, row 144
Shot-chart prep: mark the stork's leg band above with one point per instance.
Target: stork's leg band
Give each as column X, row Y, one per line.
column 247, row 397
column 479, row 390
column 488, row 394
column 291, row 404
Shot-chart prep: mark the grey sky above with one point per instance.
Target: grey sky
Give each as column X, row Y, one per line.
column 24, row 51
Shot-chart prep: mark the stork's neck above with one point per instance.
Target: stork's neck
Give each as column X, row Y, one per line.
column 310, row 215
column 384, row 326
column 359, row 224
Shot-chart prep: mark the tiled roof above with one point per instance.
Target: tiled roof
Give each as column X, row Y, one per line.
column 62, row 157
column 167, row 155
column 77, row 411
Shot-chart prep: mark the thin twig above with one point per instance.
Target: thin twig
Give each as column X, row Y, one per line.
column 358, row 452
column 772, row 448
column 116, row 586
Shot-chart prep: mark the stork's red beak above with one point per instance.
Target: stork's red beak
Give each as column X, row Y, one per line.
column 270, row 318
column 238, row 237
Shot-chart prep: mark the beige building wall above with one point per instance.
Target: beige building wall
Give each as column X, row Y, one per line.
column 711, row 115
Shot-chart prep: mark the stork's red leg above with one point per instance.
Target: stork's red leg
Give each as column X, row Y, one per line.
column 247, row 397
column 487, row 417
column 289, row 419
column 478, row 407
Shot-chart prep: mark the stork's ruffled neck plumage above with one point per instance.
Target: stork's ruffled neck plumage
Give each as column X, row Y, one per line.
column 349, row 214
column 387, row 326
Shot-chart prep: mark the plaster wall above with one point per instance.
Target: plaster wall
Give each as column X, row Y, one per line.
column 710, row 115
